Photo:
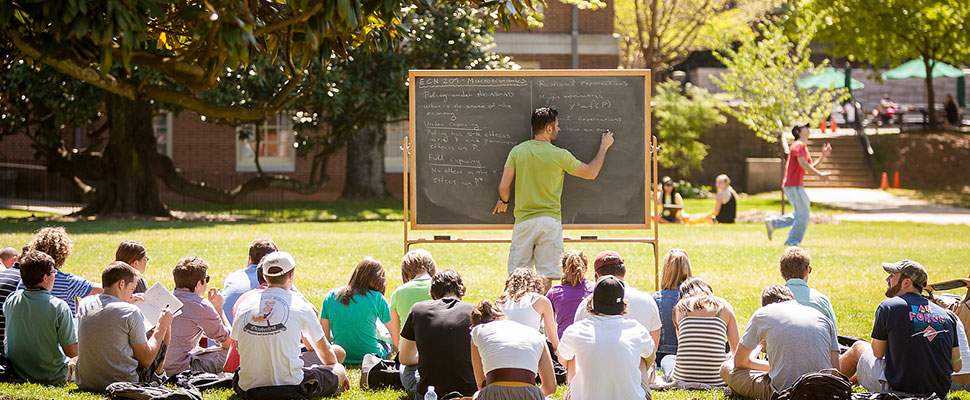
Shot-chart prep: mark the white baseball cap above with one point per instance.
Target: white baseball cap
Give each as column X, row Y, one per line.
column 277, row 263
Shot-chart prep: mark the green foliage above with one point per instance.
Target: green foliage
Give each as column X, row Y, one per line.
column 687, row 190
column 657, row 34
column 680, row 121
column 761, row 77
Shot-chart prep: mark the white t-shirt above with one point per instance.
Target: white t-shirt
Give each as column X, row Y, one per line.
column 267, row 328
column 607, row 350
column 508, row 344
column 640, row 307
column 521, row 311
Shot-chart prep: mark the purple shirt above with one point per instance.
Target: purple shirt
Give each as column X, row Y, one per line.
column 197, row 317
column 565, row 299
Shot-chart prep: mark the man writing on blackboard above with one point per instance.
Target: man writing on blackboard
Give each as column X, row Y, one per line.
column 537, row 166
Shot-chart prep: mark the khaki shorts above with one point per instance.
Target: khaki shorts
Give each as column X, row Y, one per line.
column 538, row 242
column 871, row 372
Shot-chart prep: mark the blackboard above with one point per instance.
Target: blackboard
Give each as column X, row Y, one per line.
column 463, row 124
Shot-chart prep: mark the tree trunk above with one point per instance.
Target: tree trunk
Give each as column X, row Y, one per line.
column 930, row 95
column 128, row 185
column 365, row 163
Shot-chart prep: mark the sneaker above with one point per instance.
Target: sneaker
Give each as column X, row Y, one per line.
column 769, row 228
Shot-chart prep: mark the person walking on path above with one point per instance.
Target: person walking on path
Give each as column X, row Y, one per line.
column 537, row 166
column 799, row 160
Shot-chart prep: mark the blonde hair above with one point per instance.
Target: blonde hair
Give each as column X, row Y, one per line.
column 574, row 266
column 722, row 178
column 415, row 262
column 676, row 269
column 520, row 282
column 53, row 241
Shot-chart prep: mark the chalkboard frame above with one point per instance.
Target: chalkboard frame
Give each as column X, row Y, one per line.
column 649, row 158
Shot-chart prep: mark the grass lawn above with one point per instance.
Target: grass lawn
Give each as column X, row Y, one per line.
column 736, row 259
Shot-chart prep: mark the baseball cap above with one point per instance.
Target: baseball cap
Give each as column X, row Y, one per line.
column 798, row 127
column 607, row 257
column 608, row 295
column 908, row 269
column 277, row 263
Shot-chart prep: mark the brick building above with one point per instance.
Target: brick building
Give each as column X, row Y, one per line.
column 214, row 154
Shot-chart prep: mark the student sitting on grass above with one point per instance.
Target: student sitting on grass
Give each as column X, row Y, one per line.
column 40, row 330
column 54, row 242
column 565, row 297
column 795, row 266
column 417, row 269
column 199, row 316
column 349, row 314
column 134, row 254
column 437, row 340
column 113, row 345
column 507, row 356
column 243, row 280
column 703, row 323
column 9, row 279
column 523, row 302
column 676, row 269
column 8, row 256
column 797, row 338
column 268, row 329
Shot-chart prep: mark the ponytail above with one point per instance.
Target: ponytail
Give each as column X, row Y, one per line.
column 574, row 265
column 484, row 312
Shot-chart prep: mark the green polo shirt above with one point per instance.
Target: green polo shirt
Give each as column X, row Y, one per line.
column 38, row 324
column 539, row 169
column 807, row 296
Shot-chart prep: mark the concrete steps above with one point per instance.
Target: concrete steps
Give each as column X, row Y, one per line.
column 846, row 163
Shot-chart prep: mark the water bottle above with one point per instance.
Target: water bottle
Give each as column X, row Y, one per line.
column 431, row 395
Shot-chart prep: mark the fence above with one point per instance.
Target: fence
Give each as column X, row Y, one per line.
column 29, row 184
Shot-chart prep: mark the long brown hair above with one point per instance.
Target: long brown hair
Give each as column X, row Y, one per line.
column 368, row 275
column 676, row 269
column 520, row 282
column 696, row 294
column 574, row 265
column 130, row 251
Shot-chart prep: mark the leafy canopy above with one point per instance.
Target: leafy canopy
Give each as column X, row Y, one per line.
column 761, row 75
column 680, row 121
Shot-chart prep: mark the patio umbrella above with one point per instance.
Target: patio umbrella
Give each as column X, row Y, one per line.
column 829, row 78
column 915, row 69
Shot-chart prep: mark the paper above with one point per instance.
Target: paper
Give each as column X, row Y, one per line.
column 156, row 299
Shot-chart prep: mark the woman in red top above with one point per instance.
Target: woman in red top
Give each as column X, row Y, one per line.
column 798, row 162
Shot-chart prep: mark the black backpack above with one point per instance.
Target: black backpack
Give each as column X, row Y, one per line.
column 150, row 391
column 202, row 380
column 826, row 384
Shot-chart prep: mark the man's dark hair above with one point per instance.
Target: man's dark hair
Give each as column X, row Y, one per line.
column 447, row 282
column 542, row 117
column 617, row 269
column 259, row 248
column 34, row 266
column 117, row 271
column 775, row 294
column 189, row 271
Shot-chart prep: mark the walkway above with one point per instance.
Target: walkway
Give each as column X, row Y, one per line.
column 878, row 205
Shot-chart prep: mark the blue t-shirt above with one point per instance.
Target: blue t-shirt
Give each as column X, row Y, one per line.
column 666, row 300
column 354, row 326
column 921, row 337
column 238, row 282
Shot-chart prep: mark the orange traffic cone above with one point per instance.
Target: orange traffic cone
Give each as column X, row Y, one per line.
column 822, row 125
column 896, row 180
column 834, row 127
column 885, row 182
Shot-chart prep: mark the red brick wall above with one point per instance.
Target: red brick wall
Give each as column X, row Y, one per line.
column 565, row 61
column 557, row 18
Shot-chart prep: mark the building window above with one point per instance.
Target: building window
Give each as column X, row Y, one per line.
column 393, row 158
column 162, row 125
column 276, row 152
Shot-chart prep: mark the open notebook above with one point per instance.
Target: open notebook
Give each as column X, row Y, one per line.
column 157, row 298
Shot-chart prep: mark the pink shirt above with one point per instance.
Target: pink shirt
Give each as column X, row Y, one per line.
column 794, row 173
column 196, row 318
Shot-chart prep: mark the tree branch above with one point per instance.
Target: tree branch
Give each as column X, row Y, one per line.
column 299, row 18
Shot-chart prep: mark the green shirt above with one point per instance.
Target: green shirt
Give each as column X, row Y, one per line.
column 415, row 290
column 539, row 168
column 807, row 296
column 38, row 324
column 354, row 326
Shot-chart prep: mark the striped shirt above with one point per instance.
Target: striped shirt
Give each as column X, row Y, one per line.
column 9, row 279
column 69, row 287
column 700, row 350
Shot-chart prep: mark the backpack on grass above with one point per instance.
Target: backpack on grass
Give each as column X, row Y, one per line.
column 150, row 391
column 825, row 384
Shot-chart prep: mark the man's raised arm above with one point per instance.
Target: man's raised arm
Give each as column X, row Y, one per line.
column 591, row 170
